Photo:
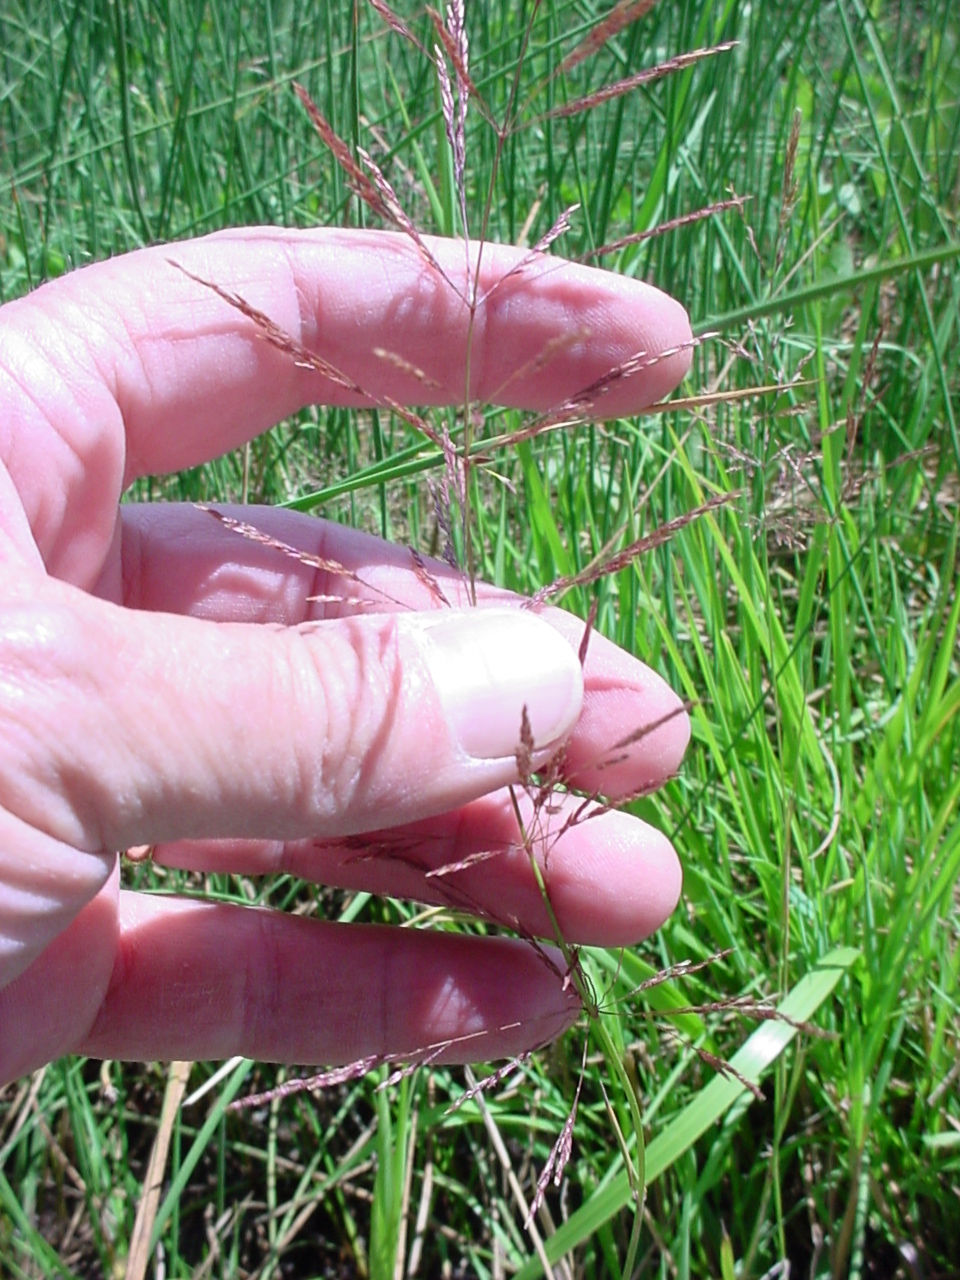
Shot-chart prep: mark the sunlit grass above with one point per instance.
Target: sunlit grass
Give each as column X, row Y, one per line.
column 811, row 621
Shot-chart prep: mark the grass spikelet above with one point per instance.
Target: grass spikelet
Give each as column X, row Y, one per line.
column 427, row 578
column 727, row 1070
column 375, row 191
column 322, row 1080
column 611, row 91
column 412, row 370
column 665, row 228
column 253, row 534
column 682, row 969
column 621, row 16
column 525, row 749
column 464, row 864
column 396, row 23
column 559, row 228
column 588, row 403
column 590, row 399
column 629, row 554
column 324, row 564
column 791, row 187
column 489, row 1083
column 393, row 211
column 560, row 1153
column 453, row 39
column 452, row 35
column 587, row 632
column 360, row 184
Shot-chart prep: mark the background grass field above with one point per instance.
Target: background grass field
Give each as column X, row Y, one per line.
column 812, row 621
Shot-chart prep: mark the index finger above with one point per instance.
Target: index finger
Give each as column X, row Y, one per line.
column 192, row 376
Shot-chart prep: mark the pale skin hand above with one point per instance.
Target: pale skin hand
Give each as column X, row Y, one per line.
column 164, row 681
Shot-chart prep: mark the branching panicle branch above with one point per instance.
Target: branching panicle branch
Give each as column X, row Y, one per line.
column 621, row 16
column 647, row 76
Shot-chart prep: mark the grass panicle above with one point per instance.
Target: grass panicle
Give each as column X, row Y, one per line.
column 779, row 541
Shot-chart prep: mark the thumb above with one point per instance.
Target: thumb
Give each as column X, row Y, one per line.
column 120, row 728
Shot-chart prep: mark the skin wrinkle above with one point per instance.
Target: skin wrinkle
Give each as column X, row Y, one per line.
column 42, row 895
column 64, row 680
column 124, row 953
column 79, row 316
column 126, row 804
column 327, row 684
column 42, row 511
column 94, row 451
column 301, row 309
column 371, row 728
column 38, row 656
column 306, row 326
column 428, row 298
column 397, row 693
column 38, row 866
column 130, row 464
column 106, row 584
column 221, row 585
column 19, row 553
column 303, row 326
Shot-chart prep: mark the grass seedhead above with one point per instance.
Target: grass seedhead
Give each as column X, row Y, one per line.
column 396, row 23
column 560, row 1153
column 665, row 228
column 630, row 83
column 619, row 560
column 559, row 228
column 791, row 187
column 374, row 190
column 621, row 16
column 324, row 564
column 811, row 624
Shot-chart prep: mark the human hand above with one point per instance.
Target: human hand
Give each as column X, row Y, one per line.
column 166, row 682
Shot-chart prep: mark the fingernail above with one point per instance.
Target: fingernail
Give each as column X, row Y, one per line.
column 488, row 664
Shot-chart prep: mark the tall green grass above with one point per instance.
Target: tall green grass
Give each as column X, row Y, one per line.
column 812, row 622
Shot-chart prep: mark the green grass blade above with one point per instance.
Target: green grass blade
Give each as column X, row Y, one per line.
column 197, row 1148
column 755, row 1057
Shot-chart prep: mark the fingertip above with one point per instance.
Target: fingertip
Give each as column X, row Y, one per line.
column 573, row 335
column 665, row 730
column 631, row 737
column 664, row 331
column 615, row 881
column 665, row 884
column 537, row 999
column 648, row 895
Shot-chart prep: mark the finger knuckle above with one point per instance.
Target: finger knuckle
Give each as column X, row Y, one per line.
column 354, row 683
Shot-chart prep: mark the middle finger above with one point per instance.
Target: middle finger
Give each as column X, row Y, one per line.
column 611, row 878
